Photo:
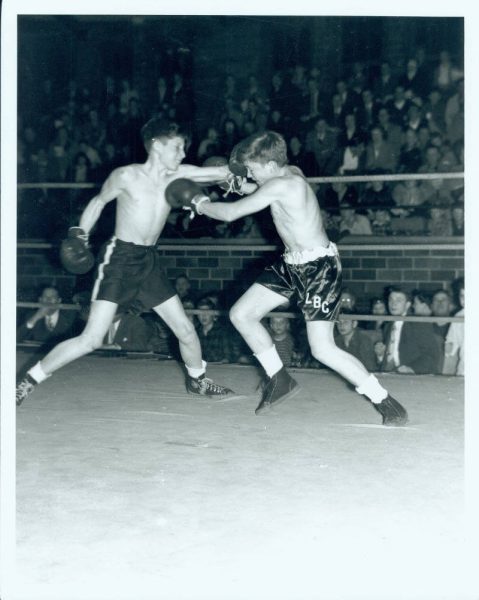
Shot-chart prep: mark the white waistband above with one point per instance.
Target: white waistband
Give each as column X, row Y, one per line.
column 299, row 257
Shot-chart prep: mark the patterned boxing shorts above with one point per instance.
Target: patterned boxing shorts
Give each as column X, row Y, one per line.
column 313, row 278
column 130, row 272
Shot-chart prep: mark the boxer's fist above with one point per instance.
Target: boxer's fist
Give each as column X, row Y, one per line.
column 236, row 164
column 186, row 194
column 75, row 255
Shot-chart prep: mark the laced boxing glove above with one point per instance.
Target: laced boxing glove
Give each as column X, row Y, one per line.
column 233, row 183
column 186, row 194
column 75, row 255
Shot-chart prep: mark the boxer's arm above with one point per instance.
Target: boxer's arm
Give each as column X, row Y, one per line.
column 110, row 190
column 204, row 174
column 270, row 192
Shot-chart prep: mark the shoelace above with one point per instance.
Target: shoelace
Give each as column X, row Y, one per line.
column 23, row 389
column 209, row 384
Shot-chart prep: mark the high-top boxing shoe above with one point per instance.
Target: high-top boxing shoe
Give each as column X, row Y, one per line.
column 203, row 386
column 280, row 387
column 24, row 389
column 392, row 412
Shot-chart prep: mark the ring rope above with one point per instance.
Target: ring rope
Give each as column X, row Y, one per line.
column 288, row 315
column 331, row 179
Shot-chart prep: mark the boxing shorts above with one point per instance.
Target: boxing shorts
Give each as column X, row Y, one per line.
column 128, row 272
column 311, row 277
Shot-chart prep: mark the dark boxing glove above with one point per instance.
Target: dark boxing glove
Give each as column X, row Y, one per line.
column 236, row 164
column 186, row 194
column 233, row 183
column 75, row 255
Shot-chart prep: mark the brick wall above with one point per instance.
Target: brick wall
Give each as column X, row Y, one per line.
column 367, row 269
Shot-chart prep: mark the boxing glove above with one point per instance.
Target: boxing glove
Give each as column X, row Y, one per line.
column 235, row 163
column 75, row 255
column 186, row 194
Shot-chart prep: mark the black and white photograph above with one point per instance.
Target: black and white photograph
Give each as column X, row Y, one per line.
column 233, row 282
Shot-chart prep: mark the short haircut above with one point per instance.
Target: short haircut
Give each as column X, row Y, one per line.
column 423, row 297
column 159, row 127
column 206, row 303
column 264, row 147
column 399, row 290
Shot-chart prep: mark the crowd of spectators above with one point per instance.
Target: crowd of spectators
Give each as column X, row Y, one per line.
column 382, row 345
column 379, row 119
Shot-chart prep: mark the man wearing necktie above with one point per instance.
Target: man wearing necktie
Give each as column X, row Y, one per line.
column 408, row 347
column 48, row 323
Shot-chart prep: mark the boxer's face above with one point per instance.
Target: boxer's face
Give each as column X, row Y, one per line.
column 171, row 151
column 259, row 172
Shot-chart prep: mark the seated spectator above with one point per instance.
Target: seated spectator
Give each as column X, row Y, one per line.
column 336, row 113
column 410, row 156
column 414, row 118
column 228, row 137
column 421, row 303
column 347, row 299
column 434, row 111
column 212, row 334
column 454, row 344
column 367, row 110
column 351, row 222
column 352, row 159
column 409, row 197
column 322, row 142
column 376, row 195
column 338, row 193
column 351, row 339
column 350, row 134
column 398, row 106
column 374, row 328
column 279, row 329
column 381, row 221
column 446, row 73
column 189, row 304
column 392, row 132
column 210, row 145
column 182, row 286
column 47, row 324
column 457, row 213
column 299, row 157
column 407, row 347
column 130, row 332
column 384, row 84
column 439, row 222
column 380, row 157
column 441, row 306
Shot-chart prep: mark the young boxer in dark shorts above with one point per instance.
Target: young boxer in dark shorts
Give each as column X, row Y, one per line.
column 130, row 268
column 309, row 271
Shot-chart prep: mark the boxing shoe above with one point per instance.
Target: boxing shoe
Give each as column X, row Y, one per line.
column 280, row 387
column 392, row 412
column 203, row 386
column 24, row 389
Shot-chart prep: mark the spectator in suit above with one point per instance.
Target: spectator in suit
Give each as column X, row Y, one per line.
column 367, row 110
column 410, row 156
column 384, row 84
column 380, row 157
column 392, row 132
column 398, row 106
column 183, row 286
column 351, row 339
column 322, row 142
column 131, row 332
column 407, row 347
column 48, row 324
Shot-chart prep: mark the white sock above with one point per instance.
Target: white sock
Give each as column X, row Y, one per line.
column 192, row 372
column 372, row 389
column 37, row 373
column 270, row 361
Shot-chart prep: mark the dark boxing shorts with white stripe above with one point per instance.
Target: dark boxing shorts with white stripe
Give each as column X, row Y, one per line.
column 312, row 277
column 128, row 272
